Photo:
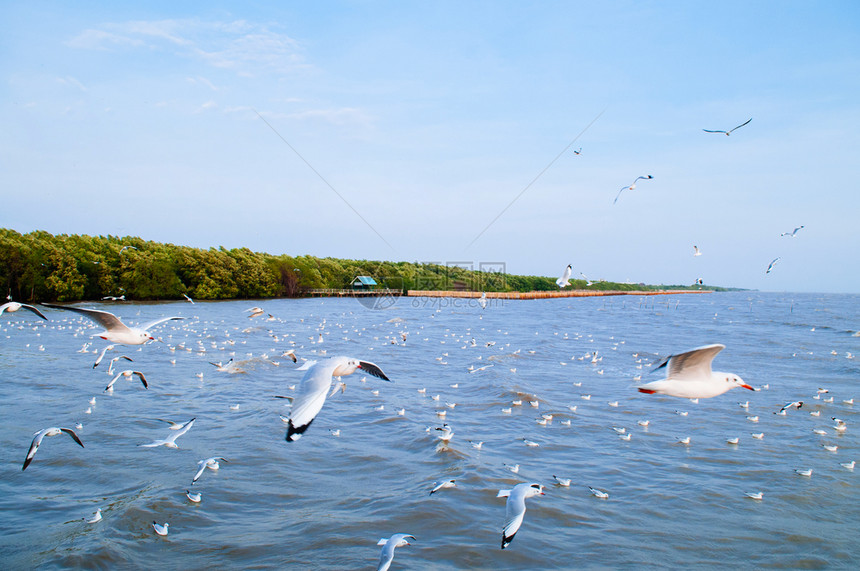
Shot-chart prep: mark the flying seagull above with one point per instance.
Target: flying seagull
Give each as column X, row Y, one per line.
column 792, row 233
column 314, row 387
column 53, row 431
column 564, row 280
column 115, row 330
column 515, row 508
column 690, row 375
column 211, row 463
column 386, row 556
column 13, row 306
column 696, row 251
column 631, row 186
column 729, row 132
column 127, row 374
column 170, row 441
column 772, row 264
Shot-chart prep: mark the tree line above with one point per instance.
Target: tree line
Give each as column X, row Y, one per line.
column 39, row 266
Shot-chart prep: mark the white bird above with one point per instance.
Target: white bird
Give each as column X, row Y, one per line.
column 211, row 463
column 170, row 441
column 115, row 330
column 97, row 517
column 696, row 251
column 196, row 498
column 37, row 440
column 848, row 465
column 631, row 186
column 255, row 311
column 754, row 495
column 312, row 392
column 599, row 493
column 388, row 546
column 188, row 299
column 564, row 280
column 160, row 529
column 807, row 472
column 771, row 265
column 439, row 486
column 515, row 508
column 562, row 481
column 792, row 233
column 730, row 130
column 447, row 433
column 127, row 374
column 795, row 404
column 13, row 306
column 690, row 375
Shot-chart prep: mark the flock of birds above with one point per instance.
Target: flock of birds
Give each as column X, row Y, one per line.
column 697, row 252
column 689, row 375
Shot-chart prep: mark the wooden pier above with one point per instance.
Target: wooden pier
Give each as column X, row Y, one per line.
column 546, row 294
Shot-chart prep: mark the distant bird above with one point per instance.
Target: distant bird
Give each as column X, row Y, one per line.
column 115, row 330
column 13, row 306
column 442, row 485
column 515, row 508
column 631, row 186
column 127, row 374
column 754, row 495
column 447, row 433
column 124, row 248
column 196, row 498
column 562, row 481
column 170, row 441
column 311, row 394
column 386, row 556
column 771, row 265
column 291, row 354
column 588, row 282
column 160, row 529
column 599, row 493
column 97, row 517
column 690, row 375
column 795, row 404
column 792, row 233
column 211, row 463
column 53, row 431
column 482, row 301
column 564, row 280
column 188, row 299
column 255, row 311
column 729, row 131
column 696, row 251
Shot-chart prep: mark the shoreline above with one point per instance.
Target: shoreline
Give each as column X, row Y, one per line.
column 543, row 294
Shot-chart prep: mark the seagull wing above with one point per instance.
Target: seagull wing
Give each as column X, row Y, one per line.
column 74, row 436
column 623, row 188
column 34, row 446
column 710, row 131
column 142, row 379
column 201, row 467
column 310, row 399
column 39, row 313
column 152, row 324
column 185, row 428
column 106, row 319
column 742, row 124
column 515, row 511
column 372, row 369
column 693, row 363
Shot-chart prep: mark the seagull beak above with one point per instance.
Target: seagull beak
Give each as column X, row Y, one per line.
column 748, row 387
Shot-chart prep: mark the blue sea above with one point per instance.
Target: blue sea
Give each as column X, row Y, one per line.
column 324, row 501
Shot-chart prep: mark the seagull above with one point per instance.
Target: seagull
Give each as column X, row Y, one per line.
column 696, row 251
column 255, row 311
column 848, row 465
column 115, row 330
column 690, row 375
column 771, row 265
column 211, row 463
column 160, row 529
column 795, row 404
column 127, row 374
column 311, row 394
column 447, row 433
column 97, row 517
column 388, row 546
column 188, row 299
column 13, row 306
column 562, row 481
column 598, row 493
column 170, row 441
column 447, row 484
column 515, row 508
column 196, row 498
column 807, row 472
column 631, row 186
column 564, row 280
column 114, row 360
column 729, row 131
column 792, row 233
column 53, row 431
column 754, row 495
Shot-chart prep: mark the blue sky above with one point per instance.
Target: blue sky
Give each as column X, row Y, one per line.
column 416, row 124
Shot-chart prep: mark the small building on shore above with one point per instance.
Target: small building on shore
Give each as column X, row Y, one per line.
column 363, row 283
